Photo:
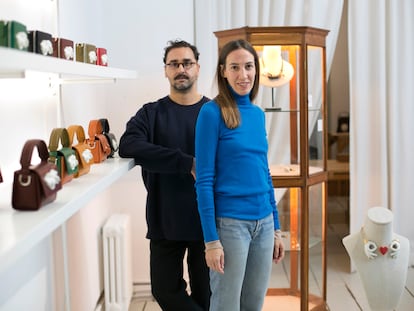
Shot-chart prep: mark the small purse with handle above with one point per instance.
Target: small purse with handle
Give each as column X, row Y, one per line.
column 35, row 185
column 65, row 157
column 82, row 150
column 113, row 143
column 97, row 142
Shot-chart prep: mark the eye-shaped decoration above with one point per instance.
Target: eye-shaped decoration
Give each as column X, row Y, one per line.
column 92, row 57
column 104, row 59
column 52, row 179
column 68, row 52
column 395, row 247
column 370, row 249
column 22, row 40
column 46, row 47
column 87, row 155
column 73, row 162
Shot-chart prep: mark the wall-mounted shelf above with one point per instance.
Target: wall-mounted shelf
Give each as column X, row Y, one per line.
column 15, row 63
column 22, row 230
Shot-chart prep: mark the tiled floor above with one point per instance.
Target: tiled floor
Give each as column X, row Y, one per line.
column 344, row 289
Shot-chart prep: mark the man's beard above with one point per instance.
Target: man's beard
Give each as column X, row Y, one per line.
column 183, row 87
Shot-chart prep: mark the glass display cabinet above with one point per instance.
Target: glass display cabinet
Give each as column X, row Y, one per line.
column 293, row 95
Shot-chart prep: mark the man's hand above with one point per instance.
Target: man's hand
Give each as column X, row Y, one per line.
column 193, row 172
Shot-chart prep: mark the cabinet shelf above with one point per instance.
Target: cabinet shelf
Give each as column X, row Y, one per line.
column 15, row 63
column 21, row 230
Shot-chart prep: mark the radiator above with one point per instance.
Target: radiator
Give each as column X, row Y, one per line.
column 117, row 263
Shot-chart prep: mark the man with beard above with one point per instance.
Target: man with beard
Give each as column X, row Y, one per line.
column 160, row 137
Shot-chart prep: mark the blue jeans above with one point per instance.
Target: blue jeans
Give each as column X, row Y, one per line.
column 248, row 253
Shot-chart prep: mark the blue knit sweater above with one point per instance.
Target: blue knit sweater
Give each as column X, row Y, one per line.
column 233, row 177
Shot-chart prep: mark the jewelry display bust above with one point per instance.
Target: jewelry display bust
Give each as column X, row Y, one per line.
column 381, row 259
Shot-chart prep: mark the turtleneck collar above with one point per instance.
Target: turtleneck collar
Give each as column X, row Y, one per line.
column 241, row 99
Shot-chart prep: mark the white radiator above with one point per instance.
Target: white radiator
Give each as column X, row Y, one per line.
column 117, row 263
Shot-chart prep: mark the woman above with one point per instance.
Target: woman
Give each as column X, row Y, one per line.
column 234, row 188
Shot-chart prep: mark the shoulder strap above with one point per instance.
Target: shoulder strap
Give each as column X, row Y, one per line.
column 95, row 127
column 105, row 125
column 27, row 152
column 56, row 135
column 79, row 131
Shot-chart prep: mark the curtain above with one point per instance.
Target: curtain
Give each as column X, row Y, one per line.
column 215, row 15
column 381, row 107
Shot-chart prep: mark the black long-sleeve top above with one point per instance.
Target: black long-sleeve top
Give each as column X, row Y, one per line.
column 160, row 137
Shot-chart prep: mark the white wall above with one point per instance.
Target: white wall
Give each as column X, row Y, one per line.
column 134, row 33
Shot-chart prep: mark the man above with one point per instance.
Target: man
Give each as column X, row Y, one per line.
column 160, row 137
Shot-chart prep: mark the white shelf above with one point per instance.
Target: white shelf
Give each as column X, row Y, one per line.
column 14, row 63
column 21, row 230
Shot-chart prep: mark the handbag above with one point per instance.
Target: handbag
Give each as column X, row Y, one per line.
column 82, row 150
column 35, row 185
column 64, row 158
column 97, row 142
column 113, row 143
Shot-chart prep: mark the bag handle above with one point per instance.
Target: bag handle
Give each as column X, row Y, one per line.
column 26, row 156
column 79, row 131
column 105, row 125
column 95, row 127
column 58, row 134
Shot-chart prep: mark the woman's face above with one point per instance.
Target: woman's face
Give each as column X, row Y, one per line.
column 240, row 71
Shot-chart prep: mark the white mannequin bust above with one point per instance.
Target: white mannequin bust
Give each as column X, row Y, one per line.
column 381, row 259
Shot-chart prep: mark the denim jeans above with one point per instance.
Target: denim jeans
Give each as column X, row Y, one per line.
column 248, row 253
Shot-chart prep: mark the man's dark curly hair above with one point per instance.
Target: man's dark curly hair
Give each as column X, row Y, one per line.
column 173, row 44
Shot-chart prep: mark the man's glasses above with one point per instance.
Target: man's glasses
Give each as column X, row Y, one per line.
column 176, row 65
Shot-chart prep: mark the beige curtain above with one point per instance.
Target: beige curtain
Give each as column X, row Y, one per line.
column 382, row 110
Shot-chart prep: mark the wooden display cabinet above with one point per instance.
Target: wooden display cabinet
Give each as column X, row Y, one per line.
column 297, row 130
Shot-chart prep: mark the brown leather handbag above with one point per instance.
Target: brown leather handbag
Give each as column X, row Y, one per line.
column 82, row 150
column 97, row 141
column 35, row 185
column 65, row 157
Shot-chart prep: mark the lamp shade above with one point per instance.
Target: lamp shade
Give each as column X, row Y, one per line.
column 274, row 70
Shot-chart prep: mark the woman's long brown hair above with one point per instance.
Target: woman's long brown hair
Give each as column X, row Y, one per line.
column 228, row 106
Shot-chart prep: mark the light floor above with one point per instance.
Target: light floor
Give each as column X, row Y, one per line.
column 344, row 289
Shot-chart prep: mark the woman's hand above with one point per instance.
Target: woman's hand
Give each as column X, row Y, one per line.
column 215, row 259
column 215, row 256
column 279, row 247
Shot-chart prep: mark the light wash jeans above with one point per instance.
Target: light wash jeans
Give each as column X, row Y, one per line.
column 248, row 253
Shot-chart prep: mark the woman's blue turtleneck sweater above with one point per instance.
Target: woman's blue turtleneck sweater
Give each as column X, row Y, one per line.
column 233, row 178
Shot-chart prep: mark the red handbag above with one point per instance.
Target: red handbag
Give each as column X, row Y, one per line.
column 35, row 185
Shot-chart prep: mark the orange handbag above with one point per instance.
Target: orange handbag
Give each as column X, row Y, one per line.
column 64, row 158
column 97, row 142
column 82, row 150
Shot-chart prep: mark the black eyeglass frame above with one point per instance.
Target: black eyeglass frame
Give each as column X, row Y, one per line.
column 186, row 65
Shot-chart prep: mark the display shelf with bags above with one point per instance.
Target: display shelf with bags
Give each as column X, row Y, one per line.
column 20, row 231
column 39, row 93
column 19, row 62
